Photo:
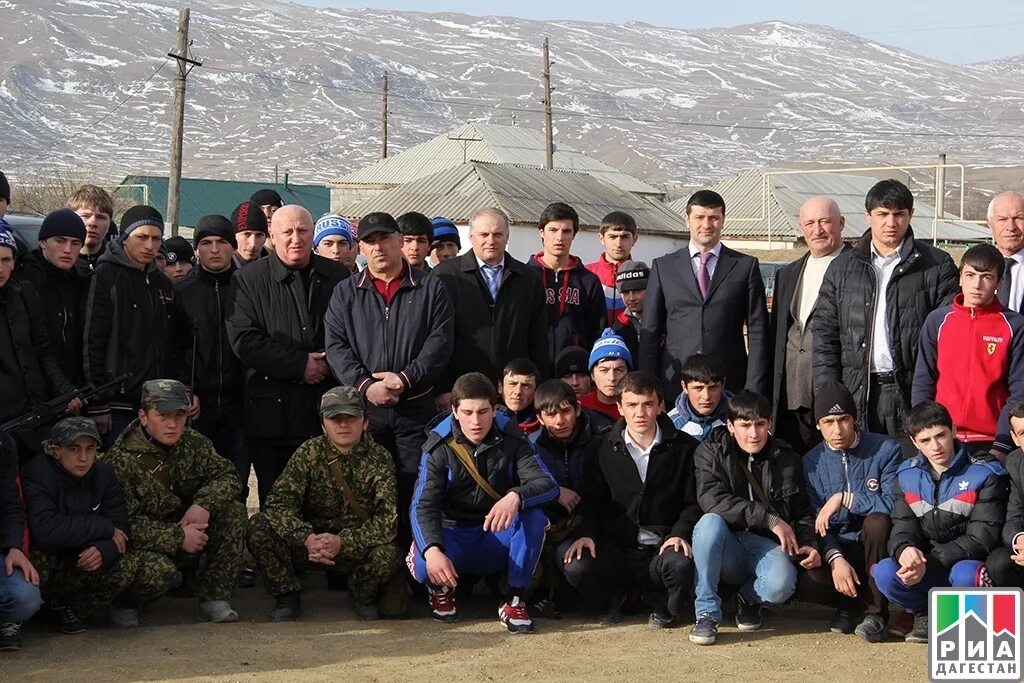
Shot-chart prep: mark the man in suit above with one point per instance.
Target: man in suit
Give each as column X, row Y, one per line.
column 499, row 306
column 796, row 292
column 1006, row 221
column 698, row 300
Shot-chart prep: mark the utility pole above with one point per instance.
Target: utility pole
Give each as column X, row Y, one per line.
column 940, row 195
column 178, row 121
column 548, row 136
column 384, row 119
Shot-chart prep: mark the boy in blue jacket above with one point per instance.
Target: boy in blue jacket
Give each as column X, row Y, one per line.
column 704, row 403
column 948, row 512
column 478, row 504
column 849, row 477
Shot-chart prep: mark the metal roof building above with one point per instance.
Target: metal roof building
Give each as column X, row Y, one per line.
column 487, row 143
column 522, row 193
column 200, row 196
column 766, row 206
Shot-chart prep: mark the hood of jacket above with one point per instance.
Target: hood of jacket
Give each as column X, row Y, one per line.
column 116, row 254
column 687, row 411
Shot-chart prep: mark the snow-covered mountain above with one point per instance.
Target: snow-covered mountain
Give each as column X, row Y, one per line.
column 299, row 86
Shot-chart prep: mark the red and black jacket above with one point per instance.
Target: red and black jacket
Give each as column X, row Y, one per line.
column 575, row 303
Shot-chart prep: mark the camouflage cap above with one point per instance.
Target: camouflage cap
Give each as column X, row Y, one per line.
column 166, row 395
column 67, row 431
column 342, row 401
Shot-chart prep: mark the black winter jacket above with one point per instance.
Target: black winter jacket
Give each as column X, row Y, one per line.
column 615, row 504
column 566, row 461
column 202, row 300
column 29, row 372
column 274, row 324
column 574, row 299
column 844, row 315
column 129, row 328
column 958, row 517
column 12, row 512
column 724, row 490
column 412, row 337
column 67, row 514
column 1015, row 505
column 489, row 335
column 447, row 495
column 63, row 296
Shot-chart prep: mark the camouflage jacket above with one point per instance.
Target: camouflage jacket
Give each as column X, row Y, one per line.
column 161, row 483
column 306, row 499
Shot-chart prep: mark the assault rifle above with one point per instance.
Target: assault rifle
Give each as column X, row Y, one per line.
column 44, row 413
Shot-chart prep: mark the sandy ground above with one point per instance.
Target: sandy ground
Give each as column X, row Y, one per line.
column 330, row 644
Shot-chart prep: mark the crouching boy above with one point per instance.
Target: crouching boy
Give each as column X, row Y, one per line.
column 478, row 504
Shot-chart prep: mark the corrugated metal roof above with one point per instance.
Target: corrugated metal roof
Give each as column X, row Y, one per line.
column 743, row 196
column 201, row 196
column 521, row 192
column 490, row 144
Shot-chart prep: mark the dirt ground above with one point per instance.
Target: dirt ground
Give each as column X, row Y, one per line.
column 330, row 644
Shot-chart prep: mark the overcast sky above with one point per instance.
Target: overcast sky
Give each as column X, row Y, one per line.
column 955, row 31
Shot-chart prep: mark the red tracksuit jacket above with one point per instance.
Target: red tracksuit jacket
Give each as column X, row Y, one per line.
column 972, row 362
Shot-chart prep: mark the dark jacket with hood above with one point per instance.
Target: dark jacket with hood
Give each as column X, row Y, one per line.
column 202, row 300
column 447, row 495
column 725, row 491
column 615, row 504
column 575, row 303
column 844, row 315
column 566, row 460
column 275, row 322
column 12, row 512
column 67, row 514
column 411, row 337
column 29, row 372
column 63, row 297
column 958, row 516
column 129, row 328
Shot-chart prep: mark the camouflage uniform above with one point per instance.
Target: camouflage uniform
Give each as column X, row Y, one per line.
column 306, row 500
column 140, row 576
column 160, row 484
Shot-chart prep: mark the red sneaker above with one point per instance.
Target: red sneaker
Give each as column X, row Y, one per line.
column 442, row 604
column 515, row 616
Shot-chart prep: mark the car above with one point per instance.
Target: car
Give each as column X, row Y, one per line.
column 769, row 270
column 26, row 231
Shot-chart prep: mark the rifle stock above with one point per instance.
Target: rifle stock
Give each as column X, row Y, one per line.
column 57, row 407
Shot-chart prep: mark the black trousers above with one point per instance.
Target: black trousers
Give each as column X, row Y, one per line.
column 885, row 411
column 1003, row 571
column 268, row 460
column 797, row 428
column 816, row 585
column 401, row 430
column 617, row 569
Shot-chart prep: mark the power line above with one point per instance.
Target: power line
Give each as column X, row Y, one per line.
column 127, row 97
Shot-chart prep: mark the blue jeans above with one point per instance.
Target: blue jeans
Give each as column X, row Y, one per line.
column 477, row 552
column 964, row 574
column 19, row 599
column 222, row 425
column 758, row 565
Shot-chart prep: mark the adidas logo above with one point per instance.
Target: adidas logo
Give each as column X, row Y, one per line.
column 836, row 410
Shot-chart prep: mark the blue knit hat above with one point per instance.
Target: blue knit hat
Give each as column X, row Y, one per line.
column 7, row 237
column 332, row 226
column 610, row 345
column 445, row 231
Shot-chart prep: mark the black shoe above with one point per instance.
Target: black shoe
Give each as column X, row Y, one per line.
column 920, row 632
column 872, row 629
column 748, row 615
column 287, row 607
column 614, row 613
column 705, row 631
column 843, row 621
column 661, row 620
column 247, row 577
column 10, row 636
column 67, row 621
column 366, row 611
column 545, row 607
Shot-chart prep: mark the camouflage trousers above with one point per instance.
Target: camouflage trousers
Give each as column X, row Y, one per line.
column 138, row 577
column 281, row 564
column 217, row 566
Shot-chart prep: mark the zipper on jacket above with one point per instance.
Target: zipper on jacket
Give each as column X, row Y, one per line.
column 220, row 345
column 846, row 471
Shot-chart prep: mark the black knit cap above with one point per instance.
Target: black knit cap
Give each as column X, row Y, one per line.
column 138, row 217
column 5, row 187
column 178, row 250
column 249, row 216
column 833, row 398
column 572, row 360
column 62, row 223
column 214, row 225
column 266, row 196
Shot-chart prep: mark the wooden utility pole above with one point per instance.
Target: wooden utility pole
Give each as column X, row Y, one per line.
column 548, row 135
column 384, row 119
column 178, row 120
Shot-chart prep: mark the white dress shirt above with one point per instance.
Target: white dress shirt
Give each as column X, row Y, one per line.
column 885, row 266
column 712, row 262
column 642, row 458
column 1016, row 274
